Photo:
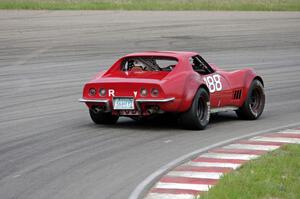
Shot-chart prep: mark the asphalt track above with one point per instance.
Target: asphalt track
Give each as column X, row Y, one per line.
column 49, row 148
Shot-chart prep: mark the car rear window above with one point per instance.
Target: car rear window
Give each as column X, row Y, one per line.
column 148, row 64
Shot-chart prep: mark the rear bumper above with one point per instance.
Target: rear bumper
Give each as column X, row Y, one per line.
column 97, row 101
column 138, row 102
column 94, row 100
column 155, row 100
column 143, row 100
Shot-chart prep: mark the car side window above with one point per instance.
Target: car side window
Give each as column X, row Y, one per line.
column 200, row 65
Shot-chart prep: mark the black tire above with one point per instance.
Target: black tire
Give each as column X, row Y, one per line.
column 255, row 102
column 197, row 117
column 103, row 118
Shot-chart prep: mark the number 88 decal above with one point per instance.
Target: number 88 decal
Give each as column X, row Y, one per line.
column 214, row 83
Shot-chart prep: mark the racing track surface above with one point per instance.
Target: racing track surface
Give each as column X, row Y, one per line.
column 49, row 148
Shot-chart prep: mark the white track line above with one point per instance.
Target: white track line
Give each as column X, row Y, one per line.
column 196, row 187
column 169, row 196
column 292, row 131
column 213, row 164
column 251, row 147
column 192, row 174
column 142, row 186
column 276, row 139
column 229, row 156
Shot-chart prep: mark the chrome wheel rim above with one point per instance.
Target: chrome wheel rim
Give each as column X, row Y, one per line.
column 256, row 101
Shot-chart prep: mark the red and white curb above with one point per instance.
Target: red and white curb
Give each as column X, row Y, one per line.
column 200, row 174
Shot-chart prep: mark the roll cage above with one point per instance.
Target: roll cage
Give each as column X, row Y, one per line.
column 149, row 63
column 200, row 65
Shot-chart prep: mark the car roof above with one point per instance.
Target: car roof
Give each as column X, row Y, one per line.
column 175, row 54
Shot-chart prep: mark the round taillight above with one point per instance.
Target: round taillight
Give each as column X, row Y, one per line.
column 154, row 92
column 144, row 92
column 92, row 92
column 102, row 92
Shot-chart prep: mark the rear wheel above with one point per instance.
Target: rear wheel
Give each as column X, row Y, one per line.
column 197, row 117
column 255, row 102
column 103, row 118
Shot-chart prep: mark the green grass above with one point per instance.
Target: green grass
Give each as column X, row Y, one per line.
column 243, row 5
column 273, row 176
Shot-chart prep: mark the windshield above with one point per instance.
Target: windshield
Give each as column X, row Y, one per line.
column 148, row 64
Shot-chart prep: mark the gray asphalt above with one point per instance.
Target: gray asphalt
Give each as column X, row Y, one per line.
column 49, row 148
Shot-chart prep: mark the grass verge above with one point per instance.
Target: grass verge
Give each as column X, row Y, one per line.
column 273, row 176
column 242, row 5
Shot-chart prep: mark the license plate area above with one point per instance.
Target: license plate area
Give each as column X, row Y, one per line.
column 123, row 103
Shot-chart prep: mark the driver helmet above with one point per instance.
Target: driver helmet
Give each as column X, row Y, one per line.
column 137, row 63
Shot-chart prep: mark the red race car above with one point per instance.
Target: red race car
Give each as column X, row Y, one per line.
column 141, row 85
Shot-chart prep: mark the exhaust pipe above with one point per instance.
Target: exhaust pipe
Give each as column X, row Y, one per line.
column 97, row 109
column 153, row 109
column 150, row 111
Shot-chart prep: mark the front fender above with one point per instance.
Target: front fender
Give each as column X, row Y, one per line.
column 249, row 76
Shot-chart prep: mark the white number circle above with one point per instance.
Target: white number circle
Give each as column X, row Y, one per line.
column 213, row 83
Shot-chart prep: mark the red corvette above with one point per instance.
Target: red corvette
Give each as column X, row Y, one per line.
column 140, row 85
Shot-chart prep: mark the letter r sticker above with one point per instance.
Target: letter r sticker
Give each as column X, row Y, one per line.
column 111, row 92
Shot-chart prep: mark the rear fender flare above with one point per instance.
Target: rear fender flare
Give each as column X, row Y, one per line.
column 192, row 84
